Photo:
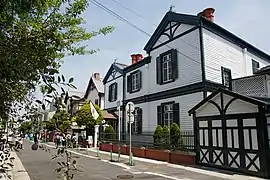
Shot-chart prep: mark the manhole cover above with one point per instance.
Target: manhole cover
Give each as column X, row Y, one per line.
column 125, row 176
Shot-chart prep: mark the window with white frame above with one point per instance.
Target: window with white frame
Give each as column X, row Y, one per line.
column 255, row 66
column 226, row 77
column 135, row 82
column 167, row 67
column 168, row 114
column 113, row 92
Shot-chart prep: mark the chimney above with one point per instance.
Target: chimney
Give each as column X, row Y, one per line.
column 136, row 58
column 207, row 13
column 97, row 76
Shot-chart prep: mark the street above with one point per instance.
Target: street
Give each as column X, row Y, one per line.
column 39, row 166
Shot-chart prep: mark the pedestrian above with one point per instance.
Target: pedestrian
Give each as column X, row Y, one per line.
column 57, row 140
column 36, row 138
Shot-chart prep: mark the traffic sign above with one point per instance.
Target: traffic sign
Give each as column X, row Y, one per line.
column 129, row 112
column 130, row 106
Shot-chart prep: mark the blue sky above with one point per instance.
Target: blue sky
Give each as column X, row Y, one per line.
column 245, row 18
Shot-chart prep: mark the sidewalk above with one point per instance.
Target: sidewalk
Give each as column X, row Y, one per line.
column 18, row 171
column 143, row 165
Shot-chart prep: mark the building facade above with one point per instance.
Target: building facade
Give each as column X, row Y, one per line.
column 189, row 57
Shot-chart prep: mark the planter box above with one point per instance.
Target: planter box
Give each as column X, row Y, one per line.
column 106, row 147
column 182, row 158
column 115, row 148
column 138, row 152
column 160, row 155
column 123, row 150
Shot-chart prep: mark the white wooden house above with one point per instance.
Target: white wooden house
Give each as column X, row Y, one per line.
column 95, row 90
column 189, row 56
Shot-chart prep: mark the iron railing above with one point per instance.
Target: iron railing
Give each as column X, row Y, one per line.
column 183, row 142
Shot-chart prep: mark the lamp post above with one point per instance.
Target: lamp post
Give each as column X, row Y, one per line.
column 130, row 117
column 119, row 127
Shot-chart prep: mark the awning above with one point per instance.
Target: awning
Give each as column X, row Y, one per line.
column 107, row 115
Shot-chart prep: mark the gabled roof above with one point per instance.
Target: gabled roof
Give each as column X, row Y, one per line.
column 117, row 67
column 98, row 84
column 211, row 26
column 230, row 93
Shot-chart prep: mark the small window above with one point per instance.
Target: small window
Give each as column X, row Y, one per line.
column 135, row 82
column 96, row 101
column 113, row 92
column 255, row 66
column 226, row 77
column 167, row 67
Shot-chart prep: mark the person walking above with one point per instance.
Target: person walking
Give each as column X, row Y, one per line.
column 36, row 138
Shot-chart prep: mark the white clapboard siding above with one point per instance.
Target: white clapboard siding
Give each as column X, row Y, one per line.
column 189, row 64
column 220, row 52
column 186, row 102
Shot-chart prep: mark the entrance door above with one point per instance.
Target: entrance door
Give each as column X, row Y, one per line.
column 232, row 142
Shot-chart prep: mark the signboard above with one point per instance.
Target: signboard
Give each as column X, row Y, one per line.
column 129, row 112
column 94, row 111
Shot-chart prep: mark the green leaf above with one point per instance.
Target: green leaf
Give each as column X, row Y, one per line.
column 63, row 78
column 38, row 101
column 43, row 106
column 71, row 80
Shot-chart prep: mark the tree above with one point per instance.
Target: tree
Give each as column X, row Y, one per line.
column 158, row 135
column 109, row 133
column 175, row 136
column 35, row 36
column 26, row 127
column 61, row 121
column 84, row 116
column 166, row 136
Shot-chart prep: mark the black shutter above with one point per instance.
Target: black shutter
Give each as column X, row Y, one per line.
column 176, row 118
column 115, row 92
column 129, row 83
column 139, row 79
column 159, row 70
column 159, row 116
column 140, row 121
column 110, row 93
column 174, row 64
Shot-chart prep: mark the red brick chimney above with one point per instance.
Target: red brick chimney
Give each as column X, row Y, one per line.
column 136, row 58
column 208, row 13
column 97, row 76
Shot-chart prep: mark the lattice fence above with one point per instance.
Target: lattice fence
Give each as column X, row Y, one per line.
column 251, row 86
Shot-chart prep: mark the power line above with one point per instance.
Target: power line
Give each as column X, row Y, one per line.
column 98, row 4
column 132, row 11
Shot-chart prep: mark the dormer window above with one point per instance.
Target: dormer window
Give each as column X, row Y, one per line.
column 226, row 77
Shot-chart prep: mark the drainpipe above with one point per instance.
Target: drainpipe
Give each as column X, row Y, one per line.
column 244, row 51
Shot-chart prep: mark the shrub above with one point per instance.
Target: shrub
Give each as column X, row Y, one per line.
column 166, row 136
column 109, row 133
column 175, row 136
column 158, row 136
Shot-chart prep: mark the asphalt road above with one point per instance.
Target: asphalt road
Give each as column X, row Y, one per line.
column 39, row 166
